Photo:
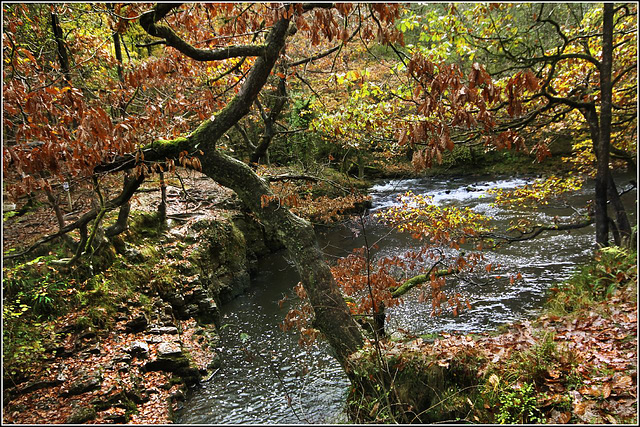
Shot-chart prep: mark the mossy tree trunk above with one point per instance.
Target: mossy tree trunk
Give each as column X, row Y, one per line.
column 332, row 316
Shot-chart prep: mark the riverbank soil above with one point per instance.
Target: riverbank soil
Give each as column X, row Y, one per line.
column 121, row 337
column 576, row 363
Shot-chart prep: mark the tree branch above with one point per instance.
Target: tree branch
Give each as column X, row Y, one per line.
column 148, row 21
column 530, row 234
column 326, row 52
column 124, row 197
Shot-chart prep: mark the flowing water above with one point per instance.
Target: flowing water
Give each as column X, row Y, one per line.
column 266, row 377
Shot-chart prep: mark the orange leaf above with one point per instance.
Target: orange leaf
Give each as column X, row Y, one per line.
column 606, row 391
column 623, row 382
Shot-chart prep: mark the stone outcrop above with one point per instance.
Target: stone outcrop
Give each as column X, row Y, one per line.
column 211, row 263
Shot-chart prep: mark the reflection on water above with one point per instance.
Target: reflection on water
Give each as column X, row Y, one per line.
column 263, row 367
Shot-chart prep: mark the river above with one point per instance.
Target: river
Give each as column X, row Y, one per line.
column 267, row 378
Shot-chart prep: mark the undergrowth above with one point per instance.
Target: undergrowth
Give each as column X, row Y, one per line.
column 37, row 293
column 531, row 382
column 594, row 282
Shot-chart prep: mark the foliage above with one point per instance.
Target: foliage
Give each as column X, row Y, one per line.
column 538, row 193
column 33, row 293
column 301, row 146
column 437, row 228
column 320, row 200
column 447, row 226
column 595, row 282
column 492, row 74
column 519, row 406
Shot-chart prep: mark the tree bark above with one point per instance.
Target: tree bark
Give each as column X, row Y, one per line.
column 61, row 49
column 332, row 316
column 260, row 153
column 622, row 220
column 604, row 137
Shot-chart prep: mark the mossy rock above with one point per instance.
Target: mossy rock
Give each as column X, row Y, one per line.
column 417, row 388
column 81, row 414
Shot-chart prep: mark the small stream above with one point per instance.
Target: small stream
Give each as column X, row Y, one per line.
column 266, row 377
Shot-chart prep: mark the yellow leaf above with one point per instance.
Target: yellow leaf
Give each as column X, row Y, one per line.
column 494, row 380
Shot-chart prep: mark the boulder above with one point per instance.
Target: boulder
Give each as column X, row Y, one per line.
column 172, row 359
column 137, row 323
column 134, row 256
column 84, row 384
column 94, row 349
column 172, row 330
column 169, row 349
column 139, row 348
column 208, row 311
column 81, row 414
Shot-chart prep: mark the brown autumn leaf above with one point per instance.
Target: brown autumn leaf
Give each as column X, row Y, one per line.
column 554, row 373
column 606, row 390
column 580, row 407
column 623, row 382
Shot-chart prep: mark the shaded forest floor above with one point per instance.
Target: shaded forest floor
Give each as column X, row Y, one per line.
column 85, row 352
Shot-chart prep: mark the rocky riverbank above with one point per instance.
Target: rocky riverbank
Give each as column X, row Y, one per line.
column 140, row 332
column 125, row 334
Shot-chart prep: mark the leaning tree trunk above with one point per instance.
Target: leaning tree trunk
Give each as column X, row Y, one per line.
column 332, row 316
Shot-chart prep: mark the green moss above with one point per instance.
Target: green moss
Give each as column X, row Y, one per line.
column 145, row 225
column 170, row 146
column 412, row 387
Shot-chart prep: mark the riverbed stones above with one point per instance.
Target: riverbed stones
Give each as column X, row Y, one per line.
column 170, row 358
column 208, row 311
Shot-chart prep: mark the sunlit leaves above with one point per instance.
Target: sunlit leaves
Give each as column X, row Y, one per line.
column 443, row 225
column 537, row 194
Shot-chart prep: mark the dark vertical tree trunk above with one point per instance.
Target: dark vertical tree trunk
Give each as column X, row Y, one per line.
column 622, row 220
column 61, row 49
column 162, row 207
column 260, row 153
column 604, row 137
column 117, row 48
column 56, row 208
